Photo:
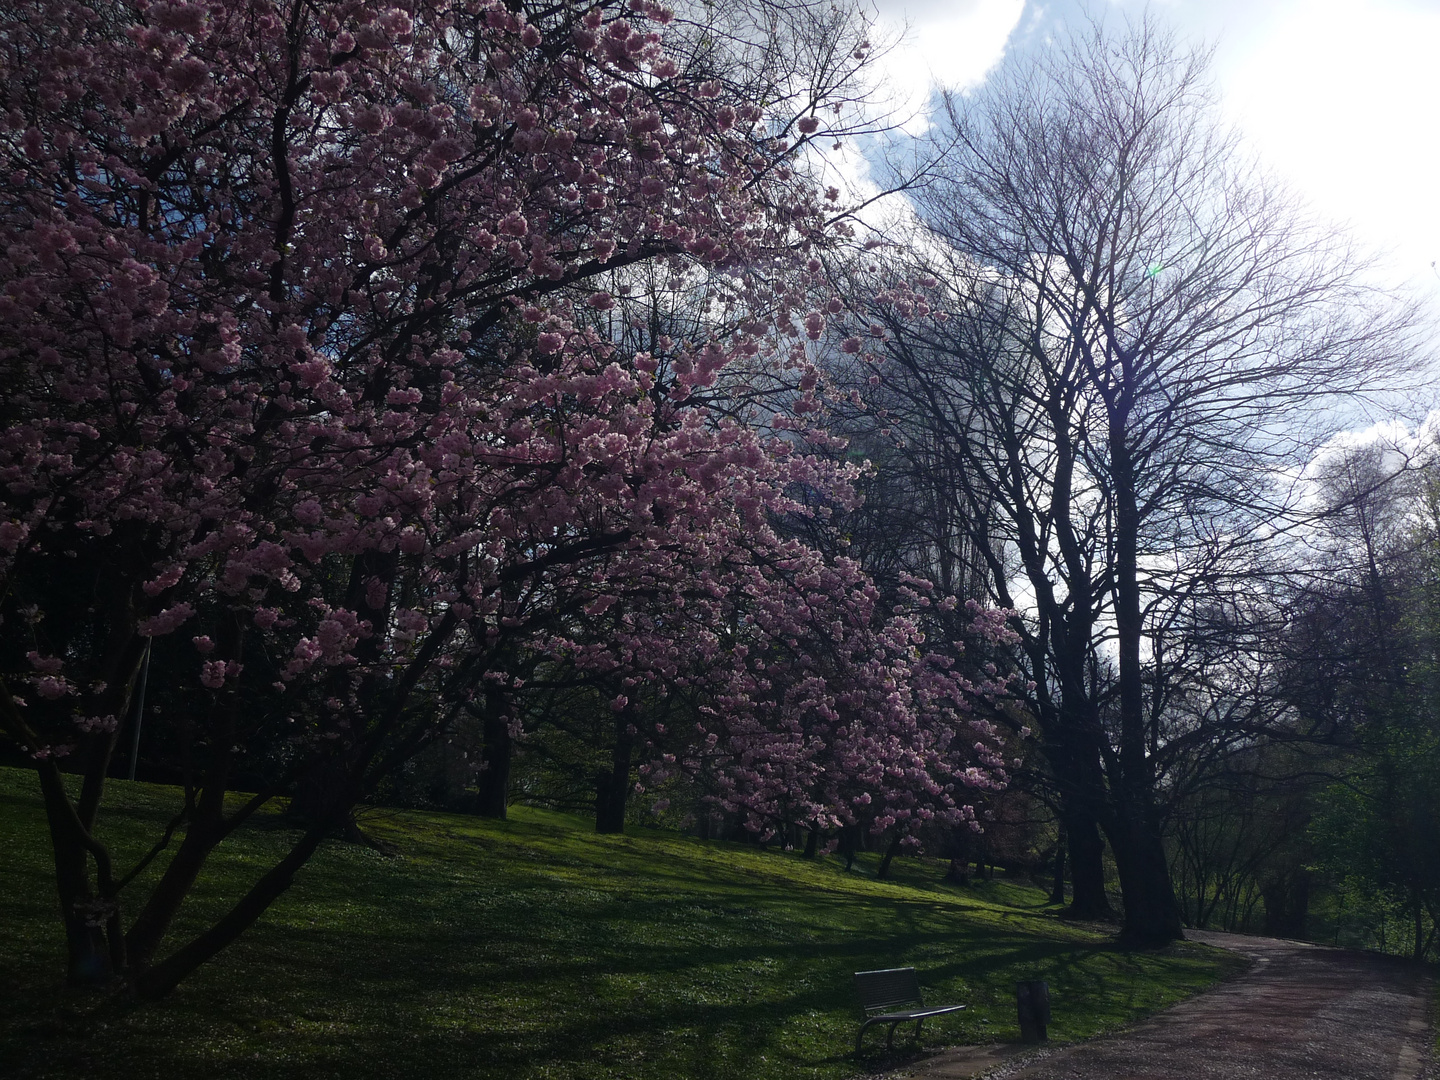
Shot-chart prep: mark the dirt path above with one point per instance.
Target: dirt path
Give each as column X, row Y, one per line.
column 1303, row 1011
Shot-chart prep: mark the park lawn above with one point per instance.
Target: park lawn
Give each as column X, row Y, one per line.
column 532, row 948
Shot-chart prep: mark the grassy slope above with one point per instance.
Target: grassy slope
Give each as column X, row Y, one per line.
column 532, row 948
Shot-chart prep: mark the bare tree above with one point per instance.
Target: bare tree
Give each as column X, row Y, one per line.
column 1143, row 335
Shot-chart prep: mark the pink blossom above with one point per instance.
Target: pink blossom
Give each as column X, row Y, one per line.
column 51, row 687
column 12, row 535
column 366, row 398
column 48, row 665
column 167, row 621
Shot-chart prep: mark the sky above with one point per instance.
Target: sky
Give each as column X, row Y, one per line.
column 1340, row 97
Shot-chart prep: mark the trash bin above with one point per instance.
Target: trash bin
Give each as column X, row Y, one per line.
column 1032, row 1003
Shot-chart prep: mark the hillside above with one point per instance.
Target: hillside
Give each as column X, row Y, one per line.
column 533, row 948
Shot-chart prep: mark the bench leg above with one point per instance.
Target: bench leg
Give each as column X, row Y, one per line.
column 861, row 1037
column 889, row 1035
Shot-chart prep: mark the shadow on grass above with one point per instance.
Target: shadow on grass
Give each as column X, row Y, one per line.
column 530, row 949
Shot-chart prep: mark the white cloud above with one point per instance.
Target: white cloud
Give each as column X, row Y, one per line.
column 1394, row 440
column 951, row 44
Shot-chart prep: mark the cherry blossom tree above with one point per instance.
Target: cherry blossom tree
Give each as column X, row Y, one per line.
column 309, row 390
column 806, row 702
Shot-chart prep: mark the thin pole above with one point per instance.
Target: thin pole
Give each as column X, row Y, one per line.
column 139, row 708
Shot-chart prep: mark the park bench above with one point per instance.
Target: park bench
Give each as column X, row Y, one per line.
column 882, row 993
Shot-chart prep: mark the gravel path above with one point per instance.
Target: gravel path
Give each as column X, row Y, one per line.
column 1303, row 1012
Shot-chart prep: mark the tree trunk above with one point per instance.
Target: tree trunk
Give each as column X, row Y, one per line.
column 891, row 850
column 740, row 833
column 164, row 902
column 205, row 829
column 959, row 870
column 87, row 956
column 1057, row 883
column 1152, row 913
column 1086, row 849
column 812, row 842
column 159, row 980
column 89, row 909
column 325, row 793
column 1073, row 751
column 1419, row 952
column 612, row 789
column 494, row 780
column 1287, row 903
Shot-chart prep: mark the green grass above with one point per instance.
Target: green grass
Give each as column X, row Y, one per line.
column 534, row 949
